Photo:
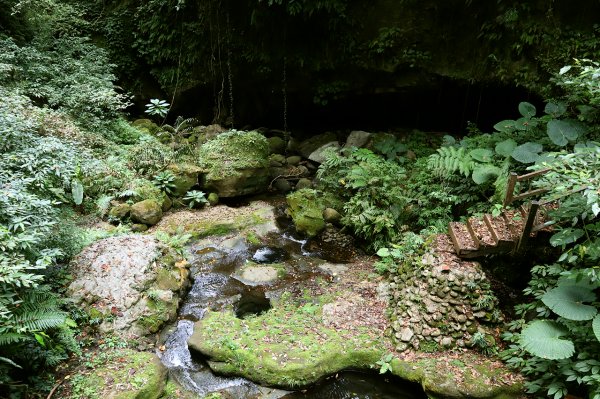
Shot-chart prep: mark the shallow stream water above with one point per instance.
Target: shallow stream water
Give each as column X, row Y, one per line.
column 215, row 287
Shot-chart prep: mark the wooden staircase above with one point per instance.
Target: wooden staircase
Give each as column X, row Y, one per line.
column 506, row 233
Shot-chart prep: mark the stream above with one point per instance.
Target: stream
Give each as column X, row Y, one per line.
column 216, row 286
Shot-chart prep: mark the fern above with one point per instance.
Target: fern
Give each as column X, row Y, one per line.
column 11, row 338
column 450, row 160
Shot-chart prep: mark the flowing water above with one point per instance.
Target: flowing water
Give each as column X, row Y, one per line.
column 215, row 287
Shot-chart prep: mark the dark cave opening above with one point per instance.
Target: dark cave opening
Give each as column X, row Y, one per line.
column 447, row 106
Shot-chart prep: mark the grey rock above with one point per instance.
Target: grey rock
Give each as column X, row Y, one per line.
column 406, row 334
column 293, row 160
column 358, row 138
column 308, row 146
column 331, row 215
column 282, row 185
column 320, row 154
column 147, row 212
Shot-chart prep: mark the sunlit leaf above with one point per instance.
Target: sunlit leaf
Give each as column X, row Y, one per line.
column 542, row 338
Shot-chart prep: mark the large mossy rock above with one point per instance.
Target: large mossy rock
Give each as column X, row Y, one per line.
column 128, row 283
column 127, row 374
column 306, row 210
column 147, row 125
column 147, row 212
column 186, row 177
column 235, row 163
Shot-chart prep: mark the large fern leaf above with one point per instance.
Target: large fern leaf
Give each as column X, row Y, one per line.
column 542, row 338
column 11, row 338
column 41, row 320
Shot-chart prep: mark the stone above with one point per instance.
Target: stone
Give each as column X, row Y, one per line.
column 137, row 375
column 213, row 199
column 186, row 177
column 306, row 211
column 282, row 185
column 119, row 211
column 307, row 147
column 254, row 274
column 276, row 145
column 303, row 183
column 146, row 124
column 277, row 160
column 320, row 154
column 112, row 277
column 406, row 334
column 235, row 163
column 167, row 203
column 293, row 160
column 446, row 342
column 147, row 212
column 358, row 138
column 331, row 215
column 139, row 227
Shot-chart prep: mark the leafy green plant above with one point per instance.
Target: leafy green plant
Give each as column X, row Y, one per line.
column 195, row 198
column 371, row 189
column 165, row 181
column 157, row 107
column 384, row 363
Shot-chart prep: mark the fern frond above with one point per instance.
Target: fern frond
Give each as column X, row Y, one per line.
column 11, row 338
column 40, row 320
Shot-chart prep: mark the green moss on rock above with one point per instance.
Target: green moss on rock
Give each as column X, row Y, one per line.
column 127, row 375
column 306, row 209
column 235, row 163
column 280, row 347
column 147, row 212
column 186, row 177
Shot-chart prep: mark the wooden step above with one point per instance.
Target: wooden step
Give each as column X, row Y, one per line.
column 480, row 233
column 500, row 231
column 515, row 223
column 464, row 245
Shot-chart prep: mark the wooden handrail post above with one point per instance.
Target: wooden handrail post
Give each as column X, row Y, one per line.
column 533, row 209
column 510, row 189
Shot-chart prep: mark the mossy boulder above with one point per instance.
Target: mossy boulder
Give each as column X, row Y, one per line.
column 213, row 199
column 146, row 124
column 134, row 279
column 256, row 349
column 186, row 177
column 127, row 374
column 235, row 163
column 306, row 210
column 119, row 211
column 146, row 212
column 276, row 145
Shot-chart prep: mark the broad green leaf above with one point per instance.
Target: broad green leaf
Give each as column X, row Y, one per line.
column 596, row 326
column 566, row 301
column 527, row 153
column 483, row 173
column 482, row 154
column 527, row 110
column 77, row 191
column 506, row 126
column 563, row 131
column 566, row 236
column 542, row 338
column 564, row 69
column 506, row 147
column 523, row 123
column 555, row 109
column 383, row 252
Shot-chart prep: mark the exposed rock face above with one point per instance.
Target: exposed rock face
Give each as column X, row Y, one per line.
column 147, row 212
column 121, row 280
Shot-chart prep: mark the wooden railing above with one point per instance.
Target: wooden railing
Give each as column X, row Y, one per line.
column 510, row 197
